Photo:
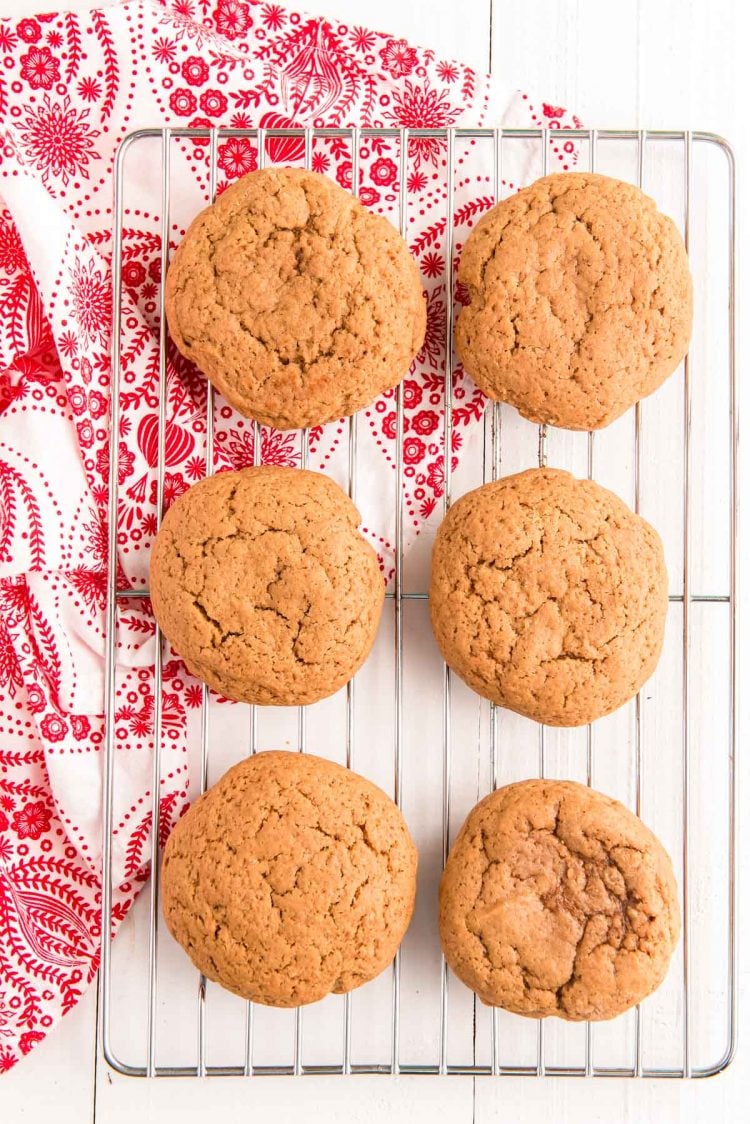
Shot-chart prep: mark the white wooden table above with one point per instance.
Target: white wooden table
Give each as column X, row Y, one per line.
column 661, row 63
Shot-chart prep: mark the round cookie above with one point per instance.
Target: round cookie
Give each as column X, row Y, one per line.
column 296, row 302
column 289, row 879
column 549, row 596
column 263, row 584
column 557, row 900
column 581, row 300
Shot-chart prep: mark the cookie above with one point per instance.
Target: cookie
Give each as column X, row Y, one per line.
column 289, row 879
column 296, row 302
column 549, row 596
column 557, row 900
column 581, row 300
column 263, row 584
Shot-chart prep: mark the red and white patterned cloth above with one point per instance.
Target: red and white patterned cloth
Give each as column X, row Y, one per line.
column 71, row 86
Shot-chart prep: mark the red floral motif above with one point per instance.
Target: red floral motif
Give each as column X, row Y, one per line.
column 125, row 462
column 56, row 139
column 182, row 102
column 414, row 450
column 552, row 111
column 28, row 1040
column 53, row 727
column 197, row 142
column 90, row 300
column 213, row 103
column 412, row 394
column 195, row 70
column 389, row 425
column 98, row 404
column 32, row 820
column 369, row 196
column 80, row 726
column 3, row 822
column 133, row 273
column 399, row 59
column 29, row 31
column 77, row 399
column 85, row 431
column 344, row 174
column 36, row 700
column 384, row 172
column 237, row 157
column 40, row 68
column 232, row 18
column 425, row 422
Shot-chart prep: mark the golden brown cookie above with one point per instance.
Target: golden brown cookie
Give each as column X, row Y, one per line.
column 294, row 300
column 557, row 900
column 263, row 584
column 289, row 879
column 549, row 596
column 581, row 300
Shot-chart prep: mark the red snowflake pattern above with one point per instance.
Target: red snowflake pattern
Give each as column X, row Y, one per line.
column 90, row 300
column 57, row 139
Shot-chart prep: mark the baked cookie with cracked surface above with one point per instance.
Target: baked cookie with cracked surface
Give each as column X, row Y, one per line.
column 262, row 582
column 548, row 595
column 557, row 900
column 289, row 879
column 580, row 300
column 296, row 302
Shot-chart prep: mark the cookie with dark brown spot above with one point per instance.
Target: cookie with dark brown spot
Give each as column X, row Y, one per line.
column 557, row 900
column 581, row 300
column 548, row 595
column 291, row 878
column 262, row 582
column 294, row 300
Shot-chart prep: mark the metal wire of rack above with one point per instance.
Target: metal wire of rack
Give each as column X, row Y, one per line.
column 493, row 1061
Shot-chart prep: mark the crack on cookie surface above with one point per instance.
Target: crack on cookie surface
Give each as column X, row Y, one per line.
column 549, row 596
column 298, row 303
column 307, row 871
column 264, row 585
column 580, row 300
column 558, row 900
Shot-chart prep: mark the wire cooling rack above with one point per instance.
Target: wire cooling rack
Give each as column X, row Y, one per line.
column 416, row 730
